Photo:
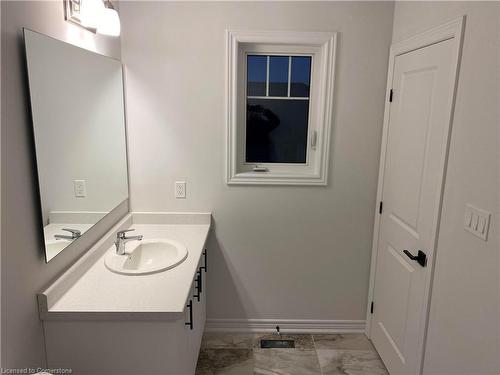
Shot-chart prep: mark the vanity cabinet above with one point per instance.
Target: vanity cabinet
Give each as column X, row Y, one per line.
column 196, row 316
column 99, row 322
column 128, row 346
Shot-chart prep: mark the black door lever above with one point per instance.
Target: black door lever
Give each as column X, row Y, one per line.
column 421, row 258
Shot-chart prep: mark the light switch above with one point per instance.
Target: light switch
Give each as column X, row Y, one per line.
column 477, row 221
column 481, row 221
column 80, row 188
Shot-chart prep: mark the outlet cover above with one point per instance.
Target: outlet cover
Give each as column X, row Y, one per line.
column 180, row 189
column 80, row 188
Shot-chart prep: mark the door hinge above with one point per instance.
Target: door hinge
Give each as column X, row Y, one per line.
column 390, row 96
column 371, row 308
column 380, row 207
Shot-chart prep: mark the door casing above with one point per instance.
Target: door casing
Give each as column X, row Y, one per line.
column 452, row 30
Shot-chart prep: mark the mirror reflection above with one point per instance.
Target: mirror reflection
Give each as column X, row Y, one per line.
column 79, row 131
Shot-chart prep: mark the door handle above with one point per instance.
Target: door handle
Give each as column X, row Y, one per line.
column 421, row 258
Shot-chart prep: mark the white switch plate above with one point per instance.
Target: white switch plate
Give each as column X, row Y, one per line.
column 477, row 221
column 80, row 188
column 180, row 189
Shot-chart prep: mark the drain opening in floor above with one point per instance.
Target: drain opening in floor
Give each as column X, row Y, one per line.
column 277, row 344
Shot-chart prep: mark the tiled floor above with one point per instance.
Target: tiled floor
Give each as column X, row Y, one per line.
column 240, row 354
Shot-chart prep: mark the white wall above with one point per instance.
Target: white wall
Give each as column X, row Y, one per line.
column 275, row 252
column 464, row 327
column 24, row 272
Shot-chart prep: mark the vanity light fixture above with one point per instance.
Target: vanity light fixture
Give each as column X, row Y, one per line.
column 110, row 21
column 94, row 15
column 91, row 13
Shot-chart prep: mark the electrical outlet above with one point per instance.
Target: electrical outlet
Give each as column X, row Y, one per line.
column 180, row 189
column 477, row 221
column 80, row 188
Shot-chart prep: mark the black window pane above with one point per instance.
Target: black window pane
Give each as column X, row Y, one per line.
column 278, row 75
column 256, row 75
column 300, row 76
column 276, row 130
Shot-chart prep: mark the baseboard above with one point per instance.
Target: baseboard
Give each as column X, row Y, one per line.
column 286, row 325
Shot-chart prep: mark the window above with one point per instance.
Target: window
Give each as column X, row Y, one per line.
column 280, row 93
column 277, row 113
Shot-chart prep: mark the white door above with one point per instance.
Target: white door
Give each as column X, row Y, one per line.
column 415, row 158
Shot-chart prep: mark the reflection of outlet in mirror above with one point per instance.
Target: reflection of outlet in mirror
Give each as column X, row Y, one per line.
column 80, row 188
column 180, row 189
column 477, row 221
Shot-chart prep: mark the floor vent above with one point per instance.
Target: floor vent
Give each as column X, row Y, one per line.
column 277, row 344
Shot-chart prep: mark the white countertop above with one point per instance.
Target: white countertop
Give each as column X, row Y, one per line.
column 98, row 293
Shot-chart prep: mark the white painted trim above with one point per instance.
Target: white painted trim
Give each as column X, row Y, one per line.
column 326, row 42
column 450, row 30
column 286, row 325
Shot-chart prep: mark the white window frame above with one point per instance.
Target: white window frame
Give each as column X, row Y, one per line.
column 321, row 47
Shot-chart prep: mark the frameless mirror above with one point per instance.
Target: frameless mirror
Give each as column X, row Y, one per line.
column 79, row 131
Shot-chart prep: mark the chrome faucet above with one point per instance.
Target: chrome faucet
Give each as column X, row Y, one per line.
column 75, row 233
column 121, row 240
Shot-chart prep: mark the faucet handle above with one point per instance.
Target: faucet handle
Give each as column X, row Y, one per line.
column 121, row 233
column 74, row 232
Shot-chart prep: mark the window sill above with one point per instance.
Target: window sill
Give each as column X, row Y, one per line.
column 269, row 178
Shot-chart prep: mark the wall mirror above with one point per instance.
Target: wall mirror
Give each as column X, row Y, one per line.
column 79, row 131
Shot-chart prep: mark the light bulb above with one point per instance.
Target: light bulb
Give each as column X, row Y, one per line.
column 91, row 13
column 109, row 23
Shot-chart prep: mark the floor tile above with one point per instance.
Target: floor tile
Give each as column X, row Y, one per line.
column 204, row 367
column 350, row 362
column 301, row 341
column 285, row 362
column 218, row 340
column 240, row 354
column 225, row 362
column 350, row 341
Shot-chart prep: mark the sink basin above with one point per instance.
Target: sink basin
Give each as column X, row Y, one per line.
column 54, row 247
column 147, row 257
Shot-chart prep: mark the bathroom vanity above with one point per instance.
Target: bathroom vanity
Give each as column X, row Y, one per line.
column 135, row 302
column 99, row 321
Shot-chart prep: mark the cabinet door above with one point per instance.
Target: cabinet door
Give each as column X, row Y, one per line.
column 204, row 271
column 200, row 306
column 199, row 310
column 192, row 317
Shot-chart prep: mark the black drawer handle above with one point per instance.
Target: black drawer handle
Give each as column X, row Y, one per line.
column 190, row 307
column 205, row 261
column 198, row 286
column 200, row 281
